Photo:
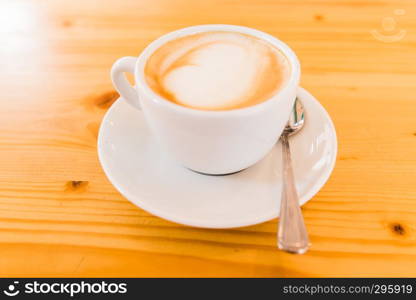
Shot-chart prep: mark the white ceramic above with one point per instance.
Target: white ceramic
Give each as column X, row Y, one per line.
column 213, row 142
column 144, row 174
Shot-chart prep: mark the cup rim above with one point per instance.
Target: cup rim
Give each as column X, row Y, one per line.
column 144, row 88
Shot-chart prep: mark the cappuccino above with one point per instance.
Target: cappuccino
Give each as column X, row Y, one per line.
column 217, row 70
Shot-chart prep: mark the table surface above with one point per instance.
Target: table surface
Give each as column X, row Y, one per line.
column 60, row 216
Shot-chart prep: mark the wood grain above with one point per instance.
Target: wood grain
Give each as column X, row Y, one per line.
column 59, row 215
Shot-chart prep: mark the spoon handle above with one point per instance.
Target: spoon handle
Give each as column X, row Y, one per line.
column 292, row 234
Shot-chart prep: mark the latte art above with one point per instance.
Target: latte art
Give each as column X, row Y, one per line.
column 217, row 70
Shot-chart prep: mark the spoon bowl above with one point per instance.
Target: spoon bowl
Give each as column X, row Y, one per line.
column 296, row 119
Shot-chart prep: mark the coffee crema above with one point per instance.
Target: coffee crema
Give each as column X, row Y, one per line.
column 217, row 70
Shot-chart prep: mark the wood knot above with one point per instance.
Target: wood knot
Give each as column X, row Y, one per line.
column 66, row 23
column 105, row 100
column 75, row 185
column 414, row 133
column 398, row 229
column 319, row 17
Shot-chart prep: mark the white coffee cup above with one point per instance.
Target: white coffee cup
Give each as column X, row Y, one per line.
column 210, row 142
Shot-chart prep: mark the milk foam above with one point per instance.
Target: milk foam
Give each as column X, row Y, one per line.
column 217, row 70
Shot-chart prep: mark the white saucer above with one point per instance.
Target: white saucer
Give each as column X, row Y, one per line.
column 146, row 176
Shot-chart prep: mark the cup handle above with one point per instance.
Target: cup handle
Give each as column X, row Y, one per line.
column 120, row 82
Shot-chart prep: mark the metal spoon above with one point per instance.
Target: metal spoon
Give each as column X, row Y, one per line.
column 292, row 234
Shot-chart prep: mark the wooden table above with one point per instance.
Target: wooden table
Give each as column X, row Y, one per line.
column 60, row 216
